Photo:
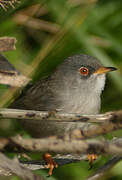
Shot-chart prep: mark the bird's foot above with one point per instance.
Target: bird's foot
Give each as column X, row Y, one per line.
column 91, row 159
column 51, row 164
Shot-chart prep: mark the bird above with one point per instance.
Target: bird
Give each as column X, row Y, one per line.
column 75, row 86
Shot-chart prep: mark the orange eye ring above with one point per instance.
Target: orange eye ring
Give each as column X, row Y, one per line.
column 84, row 71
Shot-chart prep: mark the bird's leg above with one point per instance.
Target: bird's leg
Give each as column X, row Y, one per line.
column 51, row 164
column 91, row 159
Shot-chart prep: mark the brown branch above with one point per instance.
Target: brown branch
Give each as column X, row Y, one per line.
column 85, row 125
column 35, row 23
column 9, row 75
column 64, row 144
column 71, row 142
column 16, row 80
column 7, row 44
column 67, row 144
column 105, row 168
column 9, row 166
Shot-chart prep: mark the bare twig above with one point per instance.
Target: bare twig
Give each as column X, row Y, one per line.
column 35, row 23
column 105, row 168
column 67, row 144
column 9, row 75
column 16, row 80
column 6, row 3
column 13, row 167
column 85, row 125
column 59, row 159
column 64, row 144
column 67, row 159
column 61, row 117
column 38, row 9
column 7, row 43
column 71, row 142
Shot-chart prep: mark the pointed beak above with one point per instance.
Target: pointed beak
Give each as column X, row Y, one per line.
column 103, row 70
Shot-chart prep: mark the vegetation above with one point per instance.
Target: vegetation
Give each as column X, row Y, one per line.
column 47, row 31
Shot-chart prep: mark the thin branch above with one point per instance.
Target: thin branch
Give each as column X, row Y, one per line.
column 67, row 144
column 9, row 166
column 87, row 125
column 38, row 9
column 59, row 159
column 105, row 168
column 7, row 44
column 64, row 144
column 19, row 168
column 9, row 75
column 15, row 80
column 57, row 116
column 6, row 3
column 35, row 23
column 61, row 117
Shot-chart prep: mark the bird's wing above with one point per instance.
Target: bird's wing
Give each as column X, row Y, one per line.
column 38, row 97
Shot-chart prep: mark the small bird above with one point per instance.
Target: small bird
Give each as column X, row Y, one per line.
column 74, row 87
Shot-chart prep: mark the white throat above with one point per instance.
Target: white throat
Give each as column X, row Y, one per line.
column 83, row 99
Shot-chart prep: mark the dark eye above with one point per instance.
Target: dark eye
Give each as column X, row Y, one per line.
column 84, row 71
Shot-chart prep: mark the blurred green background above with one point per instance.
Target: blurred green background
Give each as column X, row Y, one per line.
column 48, row 31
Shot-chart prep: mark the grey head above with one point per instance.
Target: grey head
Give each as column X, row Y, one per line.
column 75, row 86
